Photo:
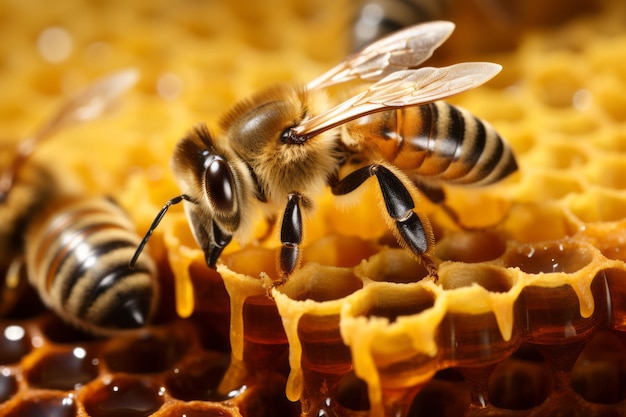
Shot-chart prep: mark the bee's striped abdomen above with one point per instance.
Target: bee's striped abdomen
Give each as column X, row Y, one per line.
column 453, row 145
column 77, row 258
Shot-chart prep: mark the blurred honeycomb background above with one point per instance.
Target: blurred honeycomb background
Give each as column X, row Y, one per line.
column 528, row 317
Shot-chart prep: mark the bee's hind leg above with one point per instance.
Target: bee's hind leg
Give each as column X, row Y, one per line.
column 413, row 233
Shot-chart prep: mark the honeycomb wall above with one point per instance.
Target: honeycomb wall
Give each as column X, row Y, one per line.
column 527, row 318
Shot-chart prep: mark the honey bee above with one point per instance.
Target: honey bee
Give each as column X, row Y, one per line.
column 281, row 147
column 74, row 249
column 376, row 18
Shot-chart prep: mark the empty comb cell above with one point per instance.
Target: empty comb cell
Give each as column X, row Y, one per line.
column 471, row 246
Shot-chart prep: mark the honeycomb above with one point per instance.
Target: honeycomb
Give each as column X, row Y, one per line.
column 527, row 317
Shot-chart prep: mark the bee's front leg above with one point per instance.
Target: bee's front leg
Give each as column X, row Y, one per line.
column 290, row 236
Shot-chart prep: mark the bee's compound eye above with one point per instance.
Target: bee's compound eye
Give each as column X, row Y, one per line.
column 220, row 184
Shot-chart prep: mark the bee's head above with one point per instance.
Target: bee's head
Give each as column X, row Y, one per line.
column 221, row 187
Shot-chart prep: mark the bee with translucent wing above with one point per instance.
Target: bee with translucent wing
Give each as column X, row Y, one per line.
column 282, row 146
column 376, row 18
column 75, row 250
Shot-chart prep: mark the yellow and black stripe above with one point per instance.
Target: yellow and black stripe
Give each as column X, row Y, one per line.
column 461, row 148
column 77, row 256
column 438, row 142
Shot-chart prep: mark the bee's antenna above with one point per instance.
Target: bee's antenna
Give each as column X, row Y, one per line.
column 155, row 223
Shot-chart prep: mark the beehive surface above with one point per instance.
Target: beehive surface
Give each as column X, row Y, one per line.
column 528, row 315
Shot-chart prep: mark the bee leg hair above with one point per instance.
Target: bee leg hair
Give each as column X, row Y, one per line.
column 398, row 202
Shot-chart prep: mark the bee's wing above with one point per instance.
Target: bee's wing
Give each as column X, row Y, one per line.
column 400, row 89
column 92, row 102
column 399, row 51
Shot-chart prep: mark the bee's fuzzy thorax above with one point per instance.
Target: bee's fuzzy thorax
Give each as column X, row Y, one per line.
column 298, row 168
column 254, row 129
